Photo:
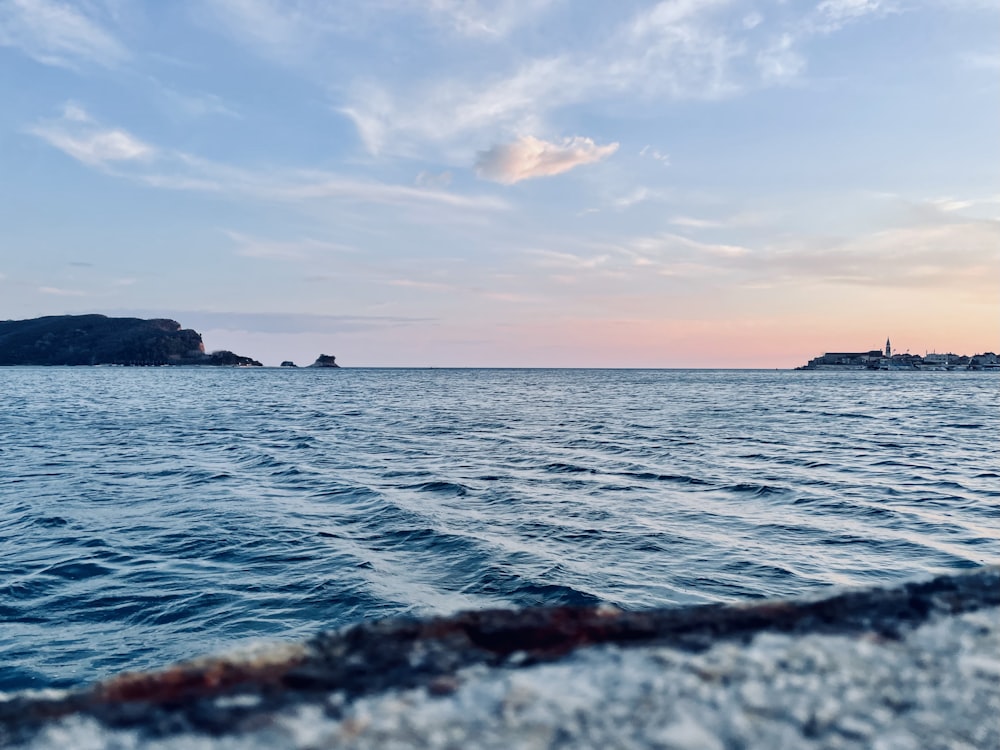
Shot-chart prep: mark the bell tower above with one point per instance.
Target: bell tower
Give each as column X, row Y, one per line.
column 888, row 348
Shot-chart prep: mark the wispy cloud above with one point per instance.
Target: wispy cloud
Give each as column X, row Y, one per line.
column 255, row 247
column 640, row 194
column 284, row 323
column 486, row 19
column 653, row 153
column 690, row 222
column 836, row 13
column 669, row 51
column 89, row 143
column 531, row 157
column 58, row 33
column 122, row 154
column 290, row 29
column 780, row 62
column 962, row 256
column 60, row 292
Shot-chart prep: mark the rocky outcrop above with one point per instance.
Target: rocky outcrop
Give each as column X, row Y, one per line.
column 325, row 360
column 288, row 363
column 100, row 340
column 912, row 665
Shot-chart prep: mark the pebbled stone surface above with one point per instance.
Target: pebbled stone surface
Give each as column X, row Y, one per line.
column 911, row 666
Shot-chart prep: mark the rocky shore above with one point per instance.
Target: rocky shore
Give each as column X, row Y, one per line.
column 910, row 666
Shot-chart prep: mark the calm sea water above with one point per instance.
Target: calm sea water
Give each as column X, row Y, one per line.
column 149, row 515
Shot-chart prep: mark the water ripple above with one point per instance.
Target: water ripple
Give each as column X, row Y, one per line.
column 148, row 515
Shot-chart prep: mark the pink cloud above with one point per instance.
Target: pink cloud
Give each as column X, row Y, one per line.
column 530, row 157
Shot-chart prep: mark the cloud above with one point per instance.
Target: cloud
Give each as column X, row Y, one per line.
column 193, row 105
column 285, row 323
column 79, row 135
column 495, row 18
column 98, row 147
column 57, row 33
column 434, row 180
column 651, row 153
column 253, row 247
column 59, row 292
column 639, row 195
column 530, row 157
column 846, row 10
column 780, row 62
column 690, row 222
column 121, row 154
column 669, row 51
column 832, row 15
column 962, row 256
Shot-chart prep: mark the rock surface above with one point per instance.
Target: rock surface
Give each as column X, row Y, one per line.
column 912, row 666
column 325, row 360
column 100, row 340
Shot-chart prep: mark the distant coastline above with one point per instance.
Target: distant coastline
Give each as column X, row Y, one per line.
column 91, row 340
column 878, row 359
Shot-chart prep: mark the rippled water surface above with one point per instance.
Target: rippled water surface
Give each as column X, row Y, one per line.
column 148, row 515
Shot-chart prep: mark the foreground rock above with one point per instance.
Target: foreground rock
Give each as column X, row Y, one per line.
column 100, row 340
column 912, row 666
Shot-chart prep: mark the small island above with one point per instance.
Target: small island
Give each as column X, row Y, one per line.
column 100, row 340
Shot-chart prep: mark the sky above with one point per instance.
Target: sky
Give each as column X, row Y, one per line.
column 687, row 183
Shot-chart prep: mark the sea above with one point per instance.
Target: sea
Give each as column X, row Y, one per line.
column 149, row 515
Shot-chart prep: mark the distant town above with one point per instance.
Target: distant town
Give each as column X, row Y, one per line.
column 886, row 360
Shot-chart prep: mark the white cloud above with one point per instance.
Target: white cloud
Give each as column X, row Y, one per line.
column 780, row 62
column 669, row 16
column 494, row 18
column 531, row 157
column 78, row 135
column 833, row 15
column 669, row 51
column 844, row 10
column 123, row 155
column 451, row 109
column 57, row 33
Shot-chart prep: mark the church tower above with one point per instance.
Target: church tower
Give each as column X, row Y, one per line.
column 888, row 348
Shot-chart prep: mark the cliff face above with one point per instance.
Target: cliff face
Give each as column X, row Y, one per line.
column 100, row 340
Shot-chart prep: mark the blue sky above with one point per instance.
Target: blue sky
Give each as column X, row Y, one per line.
column 534, row 182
